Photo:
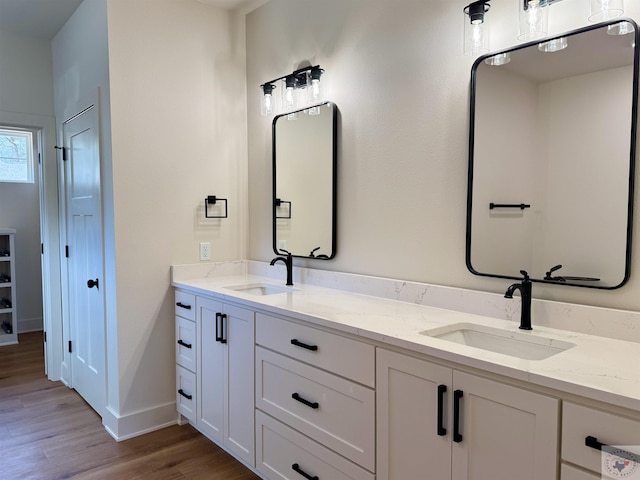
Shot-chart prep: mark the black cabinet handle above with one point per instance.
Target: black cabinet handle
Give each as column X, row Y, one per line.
column 457, row 396
column 182, row 305
column 185, row 345
column 220, row 320
column 442, row 389
column 296, row 468
column 188, row 397
column 297, row 397
column 594, row 443
column 297, row 343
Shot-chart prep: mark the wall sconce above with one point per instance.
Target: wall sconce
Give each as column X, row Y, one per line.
column 300, row 88
column 476, row 35
column 602, row 10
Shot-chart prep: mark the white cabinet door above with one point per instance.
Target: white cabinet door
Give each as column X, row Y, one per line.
column 240, row 398
column 506, row 432
column 500, row 432
column 409, row 443
column 226, row 376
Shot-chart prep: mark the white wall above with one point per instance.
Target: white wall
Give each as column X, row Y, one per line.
column 178, row 131
column 26, row 100
column 81, row 77
column 396, row 71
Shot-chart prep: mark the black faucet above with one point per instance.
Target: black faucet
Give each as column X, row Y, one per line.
column 525, row 294
column 288, row 261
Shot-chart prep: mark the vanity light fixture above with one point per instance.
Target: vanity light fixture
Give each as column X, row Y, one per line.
column 300, row 88
column 266, row 102
column 476, row 35
column 553, row 45
column 534, row 20
column 603, row 10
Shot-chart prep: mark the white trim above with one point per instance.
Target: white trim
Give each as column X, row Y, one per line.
column 26, row 325
column 140, row 422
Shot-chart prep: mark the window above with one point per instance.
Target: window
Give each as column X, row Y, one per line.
column 16, row 156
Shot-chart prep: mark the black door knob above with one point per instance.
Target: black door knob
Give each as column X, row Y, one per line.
column 93, row 283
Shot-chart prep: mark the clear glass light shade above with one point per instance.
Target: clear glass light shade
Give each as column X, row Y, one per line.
column 602, row 10
column 534, row 20
column 316, row 91
column 267, row 100
column 476, row 37
column 554, row 45
column 622, row 28
column 499, row 59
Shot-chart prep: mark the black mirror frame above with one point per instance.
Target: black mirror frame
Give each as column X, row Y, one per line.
column 334, row 176
column 632, row 154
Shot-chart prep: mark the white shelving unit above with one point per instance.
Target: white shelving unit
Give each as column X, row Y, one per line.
column 8, row 318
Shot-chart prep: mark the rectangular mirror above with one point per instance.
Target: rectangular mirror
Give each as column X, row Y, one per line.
column 304, row 182
column 551, row 158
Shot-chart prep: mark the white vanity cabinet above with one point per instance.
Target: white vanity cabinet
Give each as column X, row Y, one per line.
column 225, row 385
column 585, row 431
column 438, row 422
column 315, row 401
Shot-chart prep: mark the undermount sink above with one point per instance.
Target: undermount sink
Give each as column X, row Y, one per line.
column 515, row 344
column 261, row 289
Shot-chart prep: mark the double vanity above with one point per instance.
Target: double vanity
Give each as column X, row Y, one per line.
column 315, row 383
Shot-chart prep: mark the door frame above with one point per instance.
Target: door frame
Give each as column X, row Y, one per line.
column 45, row 128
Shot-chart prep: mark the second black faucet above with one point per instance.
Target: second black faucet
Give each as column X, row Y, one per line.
column 525, row 294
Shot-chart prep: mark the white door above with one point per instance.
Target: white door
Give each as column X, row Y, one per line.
column 81, row 159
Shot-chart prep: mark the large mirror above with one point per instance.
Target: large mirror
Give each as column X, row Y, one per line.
column 551, row 158
column 304, row 182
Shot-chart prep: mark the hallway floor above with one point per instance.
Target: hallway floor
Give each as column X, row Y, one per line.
column 48, row 432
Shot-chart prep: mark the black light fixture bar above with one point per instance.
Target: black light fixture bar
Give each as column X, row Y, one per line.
column 296, row 74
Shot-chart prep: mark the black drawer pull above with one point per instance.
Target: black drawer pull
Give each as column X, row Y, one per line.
column 185, row 345
column 594, row 443
column 188, row 397
column 296, row 468
column 182, row 305
column 442, row 389
column 313, row 348
column 297, row 397
column 457, row 436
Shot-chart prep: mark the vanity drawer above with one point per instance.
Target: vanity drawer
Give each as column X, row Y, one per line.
column 579, row 422
column 343, row 356
column 331, row 410
column 186, row 347
column 279, row 448
column 186, row 393
column 567, row 472
column 186, row 305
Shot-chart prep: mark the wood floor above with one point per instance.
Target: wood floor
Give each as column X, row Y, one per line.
column 48, row 432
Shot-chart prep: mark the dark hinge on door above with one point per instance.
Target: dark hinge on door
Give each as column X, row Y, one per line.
column 64, row 152
column 45, row 337
column 39, row 159
column 66, row 251
column 70, row 349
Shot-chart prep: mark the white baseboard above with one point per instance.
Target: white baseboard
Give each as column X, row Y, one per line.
column 26, row 325
column 123, row 427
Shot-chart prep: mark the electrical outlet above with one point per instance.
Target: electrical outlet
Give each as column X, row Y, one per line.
column 205, row 251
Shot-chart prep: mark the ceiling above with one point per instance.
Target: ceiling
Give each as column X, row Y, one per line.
column 44, row 18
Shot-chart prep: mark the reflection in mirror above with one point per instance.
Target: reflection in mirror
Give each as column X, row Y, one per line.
column 304, row 182
column 551, row 159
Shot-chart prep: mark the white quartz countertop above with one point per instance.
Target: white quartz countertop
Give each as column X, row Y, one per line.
column 599, row 368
